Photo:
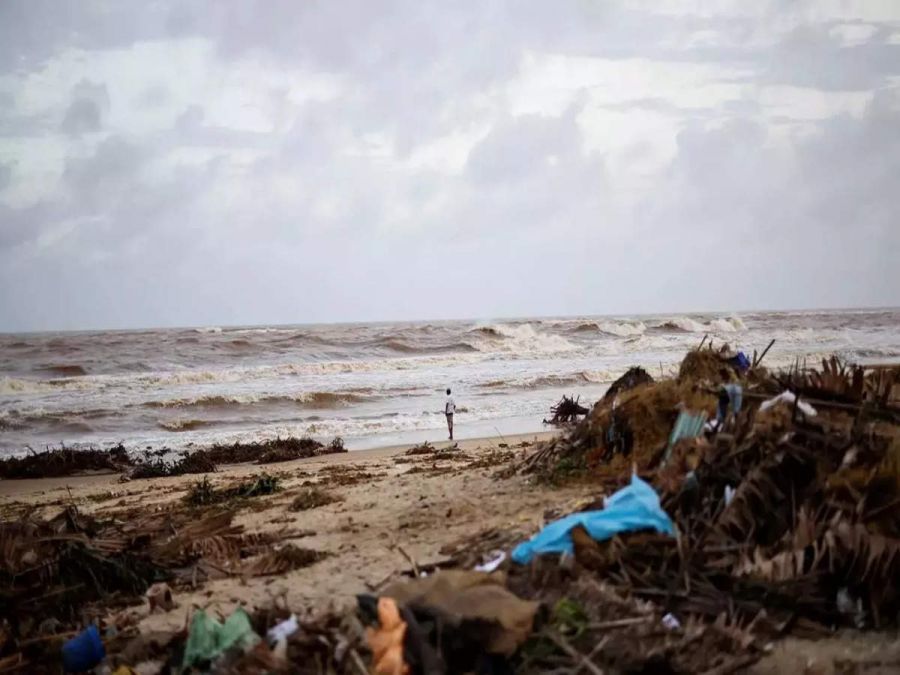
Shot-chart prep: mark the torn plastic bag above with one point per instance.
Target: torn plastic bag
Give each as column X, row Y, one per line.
column 209, row 639
column 635, row 507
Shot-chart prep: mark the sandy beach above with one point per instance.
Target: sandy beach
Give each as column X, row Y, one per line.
column 388, row 502
column 393, row 511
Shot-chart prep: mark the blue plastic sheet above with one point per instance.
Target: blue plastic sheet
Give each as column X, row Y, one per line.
column 635, row 507
column 688, row 425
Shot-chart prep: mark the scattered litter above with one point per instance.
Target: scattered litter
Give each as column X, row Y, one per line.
column 688, row 425
column 208, row 638
column 283, row 630
column 635, row 507
column 670, row 622
column 789, row 398
column 729, row 494
column 492, row 564
column 84, row 651
column 160, row 596
column 386, row 641
column 730, row 401
column 459, row 616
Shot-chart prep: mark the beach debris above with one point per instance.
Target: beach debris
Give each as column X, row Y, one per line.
column 386, row 640
column 208, row 639
column 283, row 630
column 633, row 508
column 455, row 621
column 835, row 381
column 714, row 366
column 84, row 651
column 688, row 425
column 632, row 377
column 774, row 518
column 270, row 451
column 159, row 596
column 313, row 497
column 282, row 560
column 64, row 461
column 158, row 467
column 790, row 399
column 730, row 401
column 425, row 448
column 493, row 563
column 565, row 412
column 203, row 493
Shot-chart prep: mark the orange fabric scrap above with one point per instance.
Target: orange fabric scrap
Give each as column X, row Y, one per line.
column 386, row 642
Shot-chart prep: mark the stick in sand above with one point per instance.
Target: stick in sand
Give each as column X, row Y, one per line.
column 763, row 355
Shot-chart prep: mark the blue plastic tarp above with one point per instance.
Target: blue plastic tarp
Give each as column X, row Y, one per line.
column 635, row 507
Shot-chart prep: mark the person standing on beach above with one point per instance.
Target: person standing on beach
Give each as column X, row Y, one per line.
column 449, row 409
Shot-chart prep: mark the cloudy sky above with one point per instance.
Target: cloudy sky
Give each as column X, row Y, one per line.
column 218, row 162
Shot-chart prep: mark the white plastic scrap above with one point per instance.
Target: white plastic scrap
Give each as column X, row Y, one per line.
column 789, row 397
column 283, row 630
column 493, row 563
column 729, row 494
column 670, row 622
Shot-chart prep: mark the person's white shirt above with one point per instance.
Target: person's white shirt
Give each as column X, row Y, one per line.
column 449, row 406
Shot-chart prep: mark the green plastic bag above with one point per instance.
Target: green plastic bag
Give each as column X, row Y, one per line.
column 209, row 639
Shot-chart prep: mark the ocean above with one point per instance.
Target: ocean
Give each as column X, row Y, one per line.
column 372, row 384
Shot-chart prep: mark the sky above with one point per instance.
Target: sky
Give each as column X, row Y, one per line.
column 212, row 162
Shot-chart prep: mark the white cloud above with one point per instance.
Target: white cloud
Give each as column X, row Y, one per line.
column 334, row 161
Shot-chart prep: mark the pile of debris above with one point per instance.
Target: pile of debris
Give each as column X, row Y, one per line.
column 786, row 517
column 63, row 461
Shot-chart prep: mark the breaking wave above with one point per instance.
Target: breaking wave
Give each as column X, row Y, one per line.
column 622, row 328
column 686, row 324
column 521, row 339
column 14, row 385
column 185, row 424
column 405, row 348
column 314, row 399
column 552, row 381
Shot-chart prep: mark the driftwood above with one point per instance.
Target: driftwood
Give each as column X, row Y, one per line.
column 568, row 410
